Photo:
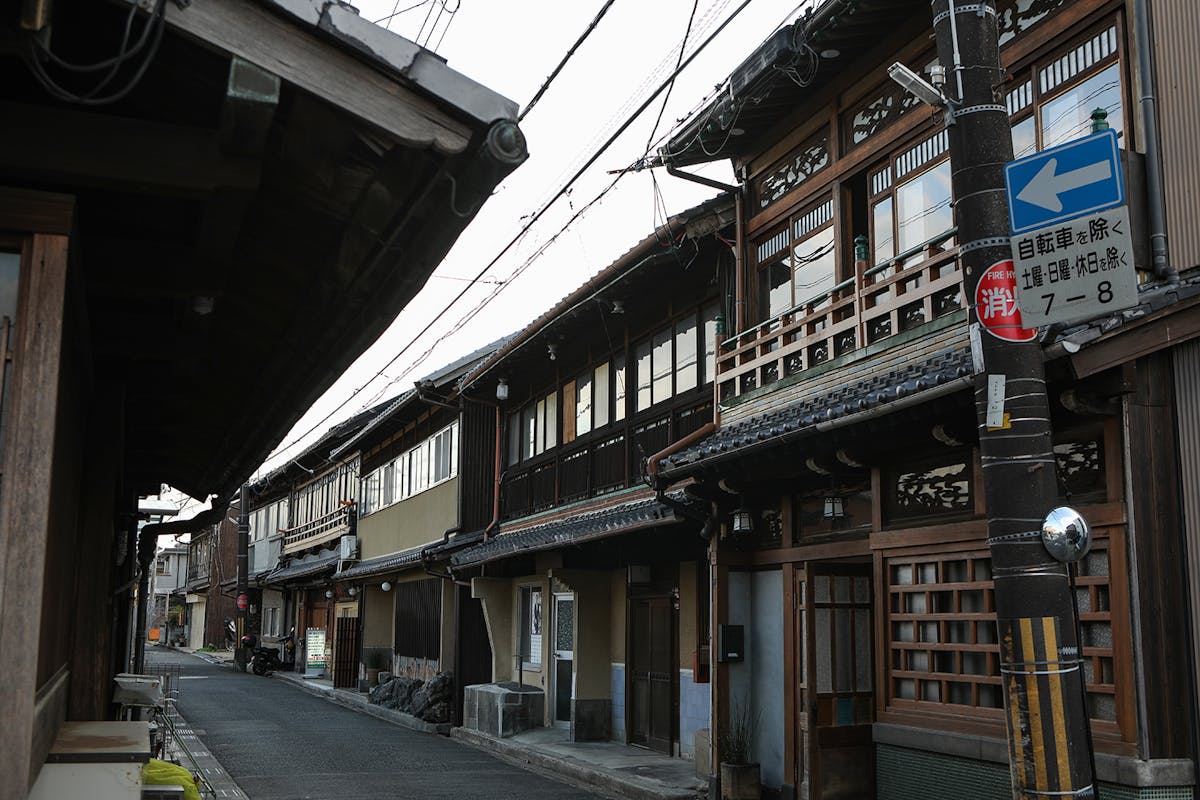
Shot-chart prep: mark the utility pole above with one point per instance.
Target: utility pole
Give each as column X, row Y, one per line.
column 1048, row 733
column 243, row 575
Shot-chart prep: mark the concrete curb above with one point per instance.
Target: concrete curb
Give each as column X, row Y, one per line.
column 626, row 786
column 354, row 703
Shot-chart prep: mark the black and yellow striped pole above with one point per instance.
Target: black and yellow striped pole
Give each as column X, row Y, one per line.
column 1049, row 745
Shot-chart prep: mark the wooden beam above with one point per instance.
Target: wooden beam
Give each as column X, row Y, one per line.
column 1171, row 326
column 281, row 47
column 34, row 211
column 90, row 149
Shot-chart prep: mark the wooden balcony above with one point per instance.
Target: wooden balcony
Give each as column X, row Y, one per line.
column 323, row 529
column 600, row 462
column 877, row 303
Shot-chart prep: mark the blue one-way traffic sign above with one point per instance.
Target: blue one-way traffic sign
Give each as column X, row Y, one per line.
column 1072, row 180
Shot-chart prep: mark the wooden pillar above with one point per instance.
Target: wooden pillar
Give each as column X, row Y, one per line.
column 25, row 505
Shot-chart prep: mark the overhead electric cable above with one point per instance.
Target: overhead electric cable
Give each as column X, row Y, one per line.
column 546, row 84
column 532, row 220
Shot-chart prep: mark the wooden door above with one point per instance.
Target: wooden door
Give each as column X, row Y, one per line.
column 652, row 674
column 472, row 650
column 835, row 681
column 345, row 653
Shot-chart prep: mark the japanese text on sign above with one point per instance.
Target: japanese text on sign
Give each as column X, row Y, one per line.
column 1076, row 269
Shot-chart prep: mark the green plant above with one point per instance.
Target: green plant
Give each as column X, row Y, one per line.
column 377, row 657
column 737, row 739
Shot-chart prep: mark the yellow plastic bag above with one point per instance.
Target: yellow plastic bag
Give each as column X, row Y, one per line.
column 164, row 773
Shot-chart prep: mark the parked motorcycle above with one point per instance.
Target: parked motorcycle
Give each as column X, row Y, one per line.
column 265, row 660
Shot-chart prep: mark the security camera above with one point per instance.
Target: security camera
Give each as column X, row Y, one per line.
column 915, row 84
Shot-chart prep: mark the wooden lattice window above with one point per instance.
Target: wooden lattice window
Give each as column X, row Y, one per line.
column 941, row 635
column 942, row 631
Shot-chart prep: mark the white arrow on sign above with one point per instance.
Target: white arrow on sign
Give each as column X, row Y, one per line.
column 1045, row 187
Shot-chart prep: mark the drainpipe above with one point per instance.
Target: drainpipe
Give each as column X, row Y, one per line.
column 487, row 532
column 448, row 575
column 1154, row 183
column 652, row 463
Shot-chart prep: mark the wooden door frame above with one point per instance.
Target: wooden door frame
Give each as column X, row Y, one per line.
column 630, row 598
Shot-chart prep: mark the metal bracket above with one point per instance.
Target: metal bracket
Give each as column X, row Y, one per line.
column 980, row 244
column 971, row 8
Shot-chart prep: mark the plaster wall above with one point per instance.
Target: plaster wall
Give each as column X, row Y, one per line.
column 756, row 602
column 416, row 521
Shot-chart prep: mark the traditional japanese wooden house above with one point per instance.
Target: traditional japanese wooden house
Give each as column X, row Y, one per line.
column 593, row 586
column 852, row 556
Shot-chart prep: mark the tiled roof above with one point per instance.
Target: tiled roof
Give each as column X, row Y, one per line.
column 571, row 530
column 381, row 564
column 874, row 392
column 1152, row 297
column 309, row 565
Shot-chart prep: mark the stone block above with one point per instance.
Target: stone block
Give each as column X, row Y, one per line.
column 591, row 720
column 502, row 709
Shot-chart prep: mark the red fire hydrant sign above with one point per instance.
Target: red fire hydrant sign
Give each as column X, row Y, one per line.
column 996, row 304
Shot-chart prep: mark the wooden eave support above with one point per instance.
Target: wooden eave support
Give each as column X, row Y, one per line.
column 280, row 47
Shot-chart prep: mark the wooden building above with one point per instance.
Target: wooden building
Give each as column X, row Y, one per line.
column 594, row 587
column 845, row 471
column 196, row 238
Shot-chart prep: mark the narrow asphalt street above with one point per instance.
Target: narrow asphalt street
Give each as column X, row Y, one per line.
column 280, row 743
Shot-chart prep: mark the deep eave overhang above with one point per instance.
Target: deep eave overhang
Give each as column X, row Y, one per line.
column 760, row 92
column 573, row 529
column 252, row 215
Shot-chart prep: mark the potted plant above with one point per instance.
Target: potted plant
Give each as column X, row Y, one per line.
column 376, row 659
column 740, row 779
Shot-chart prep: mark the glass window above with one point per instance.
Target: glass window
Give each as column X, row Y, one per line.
column 1069, row 115
column 815, row 265
column 514, row 438
column 644, row 396
column 1024, row 137
column 601, row 388
column 549, row 420
column 528, row 432
column 583, row 404
column 662, row 365
column 710, row 314
column 619, row 387
column 685, row 354
column 881, row 231
column 923, row 207
column 389, row 472
column 540, row 414
column 775, row 288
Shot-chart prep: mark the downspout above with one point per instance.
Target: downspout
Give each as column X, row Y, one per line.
column 487, row 532
column 705, row 520
column 1154, row 180
column 448, row 575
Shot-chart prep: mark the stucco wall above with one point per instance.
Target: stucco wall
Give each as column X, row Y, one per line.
column 378, row 616
column 416, row 521
column 756, row 602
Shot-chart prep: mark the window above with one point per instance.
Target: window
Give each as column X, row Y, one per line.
column 1054, row 104
column 429, row 463
column 642, row 364
column 161, row 566
column 709, row 317
column 531, row 625
column 660, row 367
column 583, row 404
column 915, row 208
column 602, row 388
column 619, row 388
column 798, row 263
column 685, row 354
column 929, row 488
column 547, row 422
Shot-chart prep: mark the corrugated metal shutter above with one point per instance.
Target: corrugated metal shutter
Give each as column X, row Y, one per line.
column 1176, row 29
column 1187, row 412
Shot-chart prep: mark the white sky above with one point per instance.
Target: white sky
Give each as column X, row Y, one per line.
column 511, row 47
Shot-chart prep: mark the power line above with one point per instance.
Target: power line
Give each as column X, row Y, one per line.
column 533, row 219
column 546, row 84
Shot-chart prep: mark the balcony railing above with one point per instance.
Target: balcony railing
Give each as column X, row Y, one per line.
column 323, row 528
column 876, row 303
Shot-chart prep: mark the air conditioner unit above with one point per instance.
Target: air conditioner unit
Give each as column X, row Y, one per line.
column 349, row 547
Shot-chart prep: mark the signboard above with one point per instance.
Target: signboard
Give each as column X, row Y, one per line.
column 314, row 651
column 1072, row 180
column 1075, row 270
column 996, row 304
